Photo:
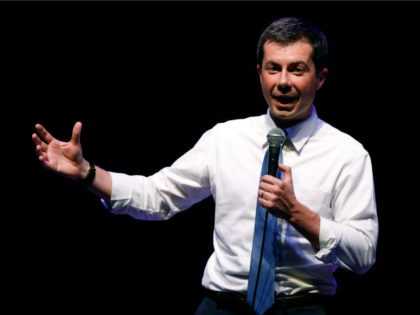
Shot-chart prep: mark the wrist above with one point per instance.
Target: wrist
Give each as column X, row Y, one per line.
column 88, row 179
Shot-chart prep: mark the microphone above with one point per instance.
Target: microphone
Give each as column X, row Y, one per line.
column 276, row 138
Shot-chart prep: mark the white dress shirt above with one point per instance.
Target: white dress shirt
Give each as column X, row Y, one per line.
column 332, row 175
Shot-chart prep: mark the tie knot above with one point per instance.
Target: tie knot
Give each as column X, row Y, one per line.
column 288, row 145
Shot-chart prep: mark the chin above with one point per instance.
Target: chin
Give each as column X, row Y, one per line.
column 282, row 110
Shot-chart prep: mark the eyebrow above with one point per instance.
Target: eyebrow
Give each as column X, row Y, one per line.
column 294, row 63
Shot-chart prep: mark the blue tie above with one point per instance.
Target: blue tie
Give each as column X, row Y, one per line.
column 260, row 294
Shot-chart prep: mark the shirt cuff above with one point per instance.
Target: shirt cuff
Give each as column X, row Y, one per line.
column 329, row 238
column 121, row 191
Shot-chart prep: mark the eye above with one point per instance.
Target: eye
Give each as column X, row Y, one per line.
column 272, row 68
column 298, row 70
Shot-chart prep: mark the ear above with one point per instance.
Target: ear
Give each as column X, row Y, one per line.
column 259, row 70
column 322, row 77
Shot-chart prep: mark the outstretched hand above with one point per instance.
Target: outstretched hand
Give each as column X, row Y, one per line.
column 64, row 158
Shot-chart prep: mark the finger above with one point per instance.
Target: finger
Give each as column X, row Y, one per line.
column 38, row 142
column 45, row 135
column 77, row 131
column 36, row 139
column 287, row 172
column 262, row 196
column 265, row 193
column 264, row 184
column 42, row 148
column 41, row 153
column 267, row 180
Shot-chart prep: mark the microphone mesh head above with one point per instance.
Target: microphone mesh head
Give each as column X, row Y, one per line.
column 276, row 137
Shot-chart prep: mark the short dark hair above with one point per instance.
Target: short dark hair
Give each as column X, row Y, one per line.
column 288, row 30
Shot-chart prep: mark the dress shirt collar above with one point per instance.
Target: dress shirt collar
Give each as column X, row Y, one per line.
column 300, row 133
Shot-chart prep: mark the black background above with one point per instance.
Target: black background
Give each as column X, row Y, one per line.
column 147, row 79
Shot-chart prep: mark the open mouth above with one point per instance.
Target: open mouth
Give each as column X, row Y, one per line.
column 286, row 100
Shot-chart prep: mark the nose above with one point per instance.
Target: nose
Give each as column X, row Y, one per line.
column 283, row 83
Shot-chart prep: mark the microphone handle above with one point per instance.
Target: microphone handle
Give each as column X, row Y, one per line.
column 273, row 159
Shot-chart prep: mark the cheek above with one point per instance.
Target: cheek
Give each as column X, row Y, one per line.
column 267, row 83
column 306, row 87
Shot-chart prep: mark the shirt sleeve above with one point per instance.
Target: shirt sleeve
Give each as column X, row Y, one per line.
column 167, row 192
column 349, row 239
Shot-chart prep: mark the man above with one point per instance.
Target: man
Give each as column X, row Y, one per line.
column 324, row 203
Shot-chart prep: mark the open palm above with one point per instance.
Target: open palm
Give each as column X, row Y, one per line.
column 64, row 158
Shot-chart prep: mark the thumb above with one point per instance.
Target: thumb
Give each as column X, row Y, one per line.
column 77, row 131
column 286, row 172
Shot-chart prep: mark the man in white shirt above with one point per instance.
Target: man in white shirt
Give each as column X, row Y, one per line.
column 324, row 203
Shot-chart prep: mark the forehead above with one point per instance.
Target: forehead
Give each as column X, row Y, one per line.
column 298, row 51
